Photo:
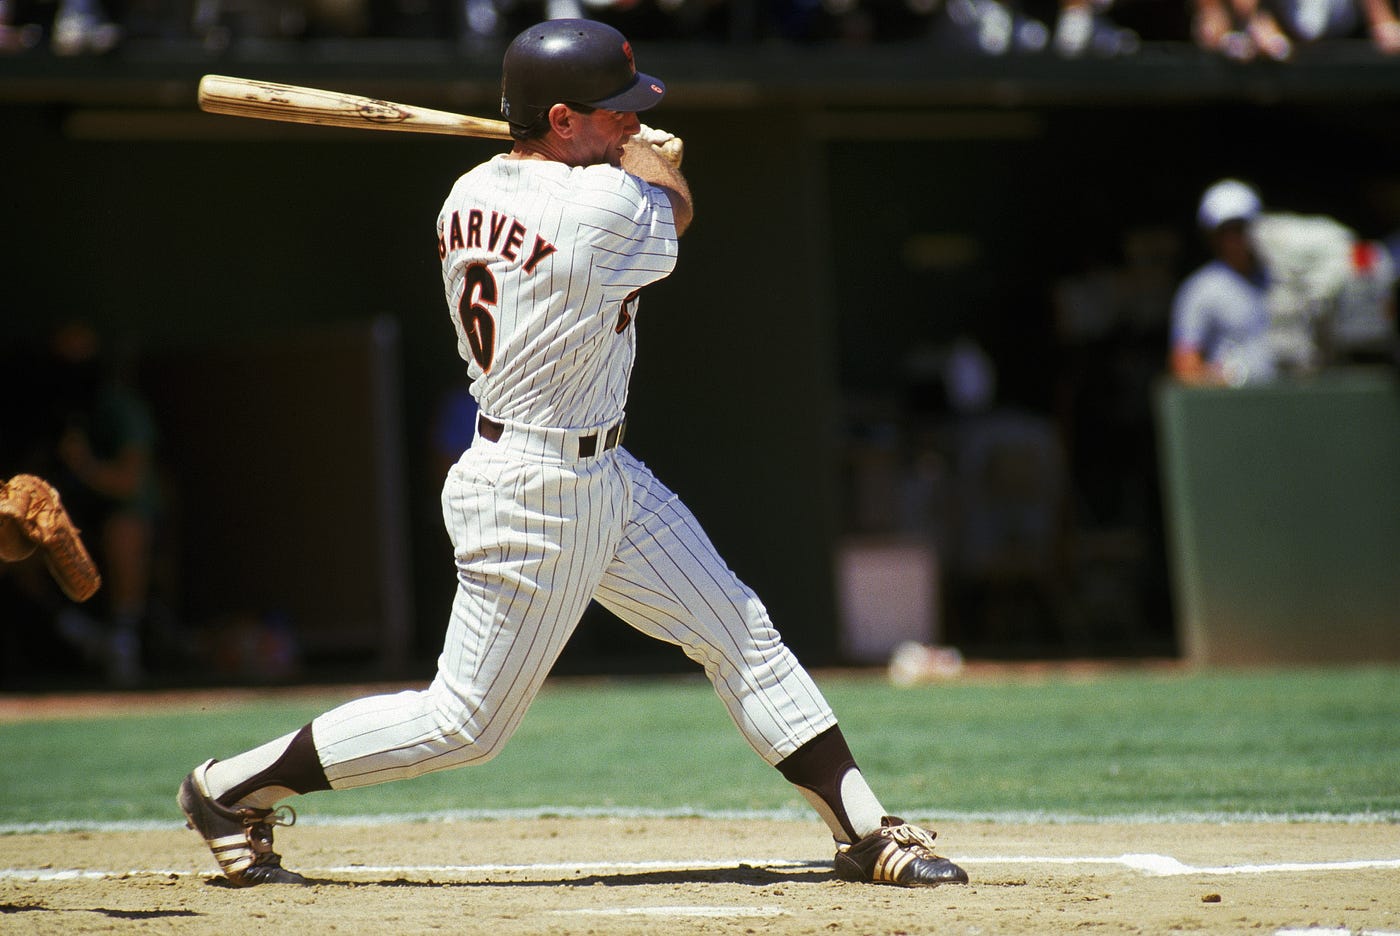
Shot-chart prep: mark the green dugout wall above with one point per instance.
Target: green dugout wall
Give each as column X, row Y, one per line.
column 1284, row 518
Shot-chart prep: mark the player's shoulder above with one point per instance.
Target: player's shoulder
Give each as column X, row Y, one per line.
column 1212, row 274
column 604, row 199
column 612, row 201
column 1202, row 281
column 1215, row 283
column 582, row 184
column 606, row 182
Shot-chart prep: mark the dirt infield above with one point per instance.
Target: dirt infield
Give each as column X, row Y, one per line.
column 681, row 876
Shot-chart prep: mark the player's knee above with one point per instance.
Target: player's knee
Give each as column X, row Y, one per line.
column 467, row 729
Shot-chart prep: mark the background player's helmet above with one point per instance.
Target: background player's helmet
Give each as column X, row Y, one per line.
column 573, row 61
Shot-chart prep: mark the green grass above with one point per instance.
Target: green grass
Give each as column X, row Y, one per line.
column 1323, row 741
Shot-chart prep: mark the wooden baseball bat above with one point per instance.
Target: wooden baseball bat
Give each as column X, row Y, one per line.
column 248, row 97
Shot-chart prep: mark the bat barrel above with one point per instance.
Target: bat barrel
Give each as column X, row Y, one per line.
column 266, row 100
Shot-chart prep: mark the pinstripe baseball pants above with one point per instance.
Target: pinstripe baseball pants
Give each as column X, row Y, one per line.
column 538, row 532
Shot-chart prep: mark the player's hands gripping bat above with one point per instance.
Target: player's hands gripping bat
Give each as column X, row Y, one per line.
column 246, row 97
column 670, row 146
column 32, row 517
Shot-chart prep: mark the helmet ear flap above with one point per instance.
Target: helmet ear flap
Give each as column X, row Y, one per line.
column 525, row 121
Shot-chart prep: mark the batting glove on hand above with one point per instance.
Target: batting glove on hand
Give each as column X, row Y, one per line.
column 653, row 135
column 668, row 145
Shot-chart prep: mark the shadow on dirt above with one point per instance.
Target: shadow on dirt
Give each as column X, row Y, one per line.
column 817, row 872
column 104, row 911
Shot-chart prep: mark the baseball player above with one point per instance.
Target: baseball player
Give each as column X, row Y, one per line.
column 544, row 252
column 1220, row 319
column 1283, row 292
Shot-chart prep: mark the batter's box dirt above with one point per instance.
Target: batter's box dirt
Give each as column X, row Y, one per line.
column 684, row 876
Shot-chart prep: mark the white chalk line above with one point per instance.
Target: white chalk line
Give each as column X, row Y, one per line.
column 1330, row 931
column 669, row 911
column 1167, row 866
column 1149, row 864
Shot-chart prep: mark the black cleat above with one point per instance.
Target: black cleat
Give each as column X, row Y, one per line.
column 896, row 853
column 240, row 838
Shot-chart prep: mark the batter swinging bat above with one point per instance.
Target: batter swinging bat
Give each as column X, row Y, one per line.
column 247, row 97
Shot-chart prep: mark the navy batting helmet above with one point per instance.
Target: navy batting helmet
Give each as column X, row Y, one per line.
column 572, row 61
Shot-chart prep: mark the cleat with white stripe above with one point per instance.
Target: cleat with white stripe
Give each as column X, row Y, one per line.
column 240, row 838
column 896, row 853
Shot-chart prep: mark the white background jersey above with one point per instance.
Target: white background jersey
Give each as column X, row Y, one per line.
column 541, row 264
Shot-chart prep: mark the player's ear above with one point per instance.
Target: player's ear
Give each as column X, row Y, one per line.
column 563, row 120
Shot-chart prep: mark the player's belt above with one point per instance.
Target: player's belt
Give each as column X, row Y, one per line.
column 491, row 430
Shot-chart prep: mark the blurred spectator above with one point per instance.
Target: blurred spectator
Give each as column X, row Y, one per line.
column 70, row 27
column 984, row 483
column 1313, row 20
column 1083, row 27
column 19, row 29
column 1112, row 321
column 1220, row 322
column 1246, row 29
column 83, row 27
column 1361, row 328
column 1285, row 294
column 100, row 455
column 1240, row 30
column 1316, row 265
column 1383, row 25
column 1001, row 27
column 1009, row 484
column 217, row 24
column 990, row 27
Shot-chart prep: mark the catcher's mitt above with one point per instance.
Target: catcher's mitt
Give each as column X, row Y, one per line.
column 33, row 518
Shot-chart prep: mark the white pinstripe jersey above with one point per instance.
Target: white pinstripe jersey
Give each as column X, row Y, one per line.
column 541, row 263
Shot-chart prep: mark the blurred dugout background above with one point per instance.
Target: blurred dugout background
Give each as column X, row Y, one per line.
column 906, row 372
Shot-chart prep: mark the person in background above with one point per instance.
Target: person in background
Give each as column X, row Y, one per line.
column 101, row 456
column 1220, row 319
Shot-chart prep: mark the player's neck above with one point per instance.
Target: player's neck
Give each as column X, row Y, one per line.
column 553, row 148
column 541, row 149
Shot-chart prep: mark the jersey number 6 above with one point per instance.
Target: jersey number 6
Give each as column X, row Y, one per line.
column 478, row 292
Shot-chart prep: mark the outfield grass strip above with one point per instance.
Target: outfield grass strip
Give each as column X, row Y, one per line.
column 1289, row 745
column 800, row 814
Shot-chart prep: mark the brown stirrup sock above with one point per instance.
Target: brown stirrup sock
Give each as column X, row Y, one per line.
column 820, row 769
column 298, row 769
